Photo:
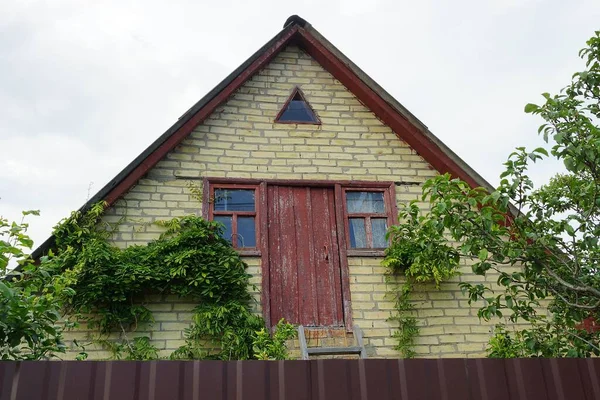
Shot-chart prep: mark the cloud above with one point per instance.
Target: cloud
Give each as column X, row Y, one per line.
column 85, row 86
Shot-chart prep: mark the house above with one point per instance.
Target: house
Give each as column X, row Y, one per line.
column 303, row 158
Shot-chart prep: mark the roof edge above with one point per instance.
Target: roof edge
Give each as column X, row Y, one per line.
column 388, row 98
column 291, row 23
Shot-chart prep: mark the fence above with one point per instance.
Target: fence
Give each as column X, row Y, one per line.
column 444, row 379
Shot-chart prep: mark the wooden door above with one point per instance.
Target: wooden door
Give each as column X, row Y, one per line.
column 304, row 261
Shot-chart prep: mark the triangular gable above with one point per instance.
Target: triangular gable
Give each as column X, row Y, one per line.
column 298, row 32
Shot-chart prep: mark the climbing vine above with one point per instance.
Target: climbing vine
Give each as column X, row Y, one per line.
column 407, row 263
column 189, row 259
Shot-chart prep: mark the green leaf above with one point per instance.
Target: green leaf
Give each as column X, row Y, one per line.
column 6, row 291
column 483, row 254
column 529, row 108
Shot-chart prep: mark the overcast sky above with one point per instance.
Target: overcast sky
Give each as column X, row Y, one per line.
column 85, row 86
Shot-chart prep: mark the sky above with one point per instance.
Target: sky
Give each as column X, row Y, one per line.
column 87, row 85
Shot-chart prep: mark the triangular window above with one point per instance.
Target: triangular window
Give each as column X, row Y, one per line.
column 297, row 111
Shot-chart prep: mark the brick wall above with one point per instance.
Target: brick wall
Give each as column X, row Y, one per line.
column 240, row 140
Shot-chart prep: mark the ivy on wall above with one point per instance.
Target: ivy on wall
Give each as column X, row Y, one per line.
column 408, row 264
column 189, row 259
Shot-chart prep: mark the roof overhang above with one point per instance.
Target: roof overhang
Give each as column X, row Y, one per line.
column 298, row 32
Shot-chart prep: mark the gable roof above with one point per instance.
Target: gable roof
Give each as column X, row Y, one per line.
column 299, row 32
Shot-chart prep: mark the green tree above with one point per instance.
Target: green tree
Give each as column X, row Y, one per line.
column 542, row 242
column 29, row 307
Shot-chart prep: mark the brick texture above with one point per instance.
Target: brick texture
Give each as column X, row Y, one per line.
column 240, row 140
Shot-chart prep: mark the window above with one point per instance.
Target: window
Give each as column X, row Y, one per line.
column 363, row 212
column 297, row 110
column 367, row 214
column 235, row 207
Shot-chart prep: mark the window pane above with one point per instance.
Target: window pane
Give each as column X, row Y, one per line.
column 365, row 202
column 225, row 220
column 234, row 199
column 358, row 235
column 246, row 232
column 298, row 111
column 378, row 229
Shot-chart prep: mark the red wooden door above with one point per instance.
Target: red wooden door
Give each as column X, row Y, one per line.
column 304, row 261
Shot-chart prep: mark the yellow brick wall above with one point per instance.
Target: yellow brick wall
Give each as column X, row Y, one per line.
column 240, row 140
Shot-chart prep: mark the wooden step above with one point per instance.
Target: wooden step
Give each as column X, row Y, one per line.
column 327, row 351
column 306, row 351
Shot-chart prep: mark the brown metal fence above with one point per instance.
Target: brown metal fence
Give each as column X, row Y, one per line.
column 444, row 379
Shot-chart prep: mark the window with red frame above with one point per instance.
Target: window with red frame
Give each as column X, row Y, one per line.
column 235, row 206
column 367, row 214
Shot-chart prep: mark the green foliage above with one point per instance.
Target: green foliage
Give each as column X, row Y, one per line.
column 190, row 259
column 548, row 339
column 232, row 332
column 416, row 247
column 266, row 347
column 415, row 243
column 541, row 242
column 228, row 328
column 29, row 312
column 139, row 349
column 408, row 330
column 503, row 345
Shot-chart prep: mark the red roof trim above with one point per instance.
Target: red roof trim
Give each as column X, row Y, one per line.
column 200, row 116
column 404, row 129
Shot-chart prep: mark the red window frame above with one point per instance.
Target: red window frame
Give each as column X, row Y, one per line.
column 387, row 214
column 234, row 214
column 341, row 187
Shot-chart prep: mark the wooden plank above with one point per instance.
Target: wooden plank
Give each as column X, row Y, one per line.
column 309, row 297
column 304, row 183
column 287, row 270
column 334, row 256
column 263, row 239
column 274, row 268
column 325, row 351
column 342, row 250
column 328, row 287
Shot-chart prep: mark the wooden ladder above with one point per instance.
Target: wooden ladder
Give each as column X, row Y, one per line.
column 358, row 350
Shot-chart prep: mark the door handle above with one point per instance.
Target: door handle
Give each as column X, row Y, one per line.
column 326, row 253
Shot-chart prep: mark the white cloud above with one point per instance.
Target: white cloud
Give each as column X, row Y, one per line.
column 85, row 86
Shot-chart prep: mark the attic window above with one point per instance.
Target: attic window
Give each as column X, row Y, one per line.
column 297, row 111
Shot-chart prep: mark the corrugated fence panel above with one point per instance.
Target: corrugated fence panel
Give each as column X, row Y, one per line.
column 444, row 379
